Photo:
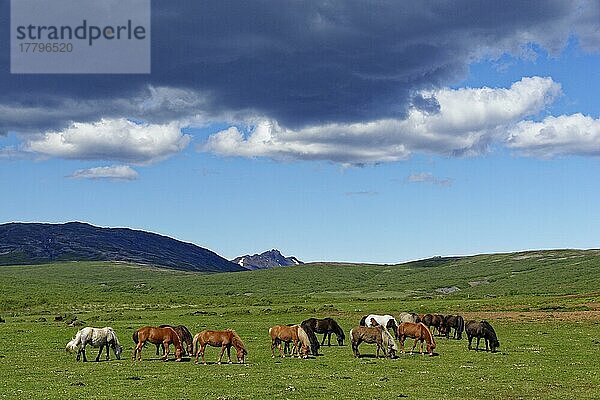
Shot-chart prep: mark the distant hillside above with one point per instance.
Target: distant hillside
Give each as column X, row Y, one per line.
column 268, row 259
column 32, row 243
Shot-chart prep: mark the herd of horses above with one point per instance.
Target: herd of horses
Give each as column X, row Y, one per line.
column 294, row 339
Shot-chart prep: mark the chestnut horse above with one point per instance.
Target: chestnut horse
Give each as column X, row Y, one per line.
column 185, row 336
column 294, row 334
column 419, row 332
column 224, row 339
column 375, row 335
column 156, row 335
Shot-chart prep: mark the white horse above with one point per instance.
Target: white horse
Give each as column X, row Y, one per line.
column 96, row 337
column 387, row 321
column 408, row 317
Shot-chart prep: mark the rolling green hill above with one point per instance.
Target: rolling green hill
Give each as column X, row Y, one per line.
column 497, row 276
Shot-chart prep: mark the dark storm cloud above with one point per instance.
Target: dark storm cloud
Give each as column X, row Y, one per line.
column 296, row 62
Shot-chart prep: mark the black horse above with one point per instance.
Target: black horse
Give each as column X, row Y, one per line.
column 457, row 322
column 326, row 326
column 184, row 335
column 479, row 330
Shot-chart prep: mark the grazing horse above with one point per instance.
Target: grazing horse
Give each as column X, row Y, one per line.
column 433, row 320
column 386, row 321
column 294, row 334
column 482, row 329
column 224, row 339
column 156, row 335
column 184, row 334
column 454, row 321
column 96, row 337
column 419, row 332
column 377, row 335
column 326, row 326
column 408, row 317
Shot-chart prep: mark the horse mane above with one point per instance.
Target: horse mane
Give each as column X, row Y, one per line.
column 428, row 333
column 363, row 321
column 113, row 335
column 337, row 329
column 237, row 340
column 74, row 343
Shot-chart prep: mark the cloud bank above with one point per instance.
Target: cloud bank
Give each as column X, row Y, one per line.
column 464, row 122
column 342, row 81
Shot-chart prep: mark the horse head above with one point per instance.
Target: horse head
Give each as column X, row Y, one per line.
column 494, row 344
column 241, row 355
column 118, row 349
column 178, row 353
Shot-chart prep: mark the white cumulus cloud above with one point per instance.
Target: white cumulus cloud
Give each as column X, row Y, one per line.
column 116, row 172
column 111, row 139
column 575, row 134
column 466, row 121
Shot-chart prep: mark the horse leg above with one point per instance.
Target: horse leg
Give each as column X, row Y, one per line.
column 478, row 339
column 281, row 353
column 78, row 353
column 83, row 351
column 470, row 338
column 167, row 348
column 401, row 344
column 329, row 338
column 157, row 349
column 138, row 349
column 272, row 348
column 221, row 355
column 100, row 352
column 323, row 341
column 202, row 349
column 414, row 345
column 229, row 354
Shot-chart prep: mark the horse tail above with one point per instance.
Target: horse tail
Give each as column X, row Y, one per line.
column 461, row 326
column 74, row 343
column 135, row 337
column 195, row 343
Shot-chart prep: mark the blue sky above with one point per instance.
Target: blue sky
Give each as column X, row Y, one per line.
column 458, row 139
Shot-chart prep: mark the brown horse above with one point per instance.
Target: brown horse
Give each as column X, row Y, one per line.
column 156, row 335
column 286, row 334
column 184, row 335
column 224, row 339
column 375, row 335
column 419, row 332
column 433, row 320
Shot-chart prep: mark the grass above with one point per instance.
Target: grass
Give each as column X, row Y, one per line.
column 543, row 305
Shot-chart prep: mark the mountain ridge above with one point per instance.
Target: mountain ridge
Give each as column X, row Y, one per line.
column 37, row 243
column 268, row 259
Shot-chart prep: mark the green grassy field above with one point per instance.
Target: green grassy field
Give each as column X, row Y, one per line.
column 545, row 307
